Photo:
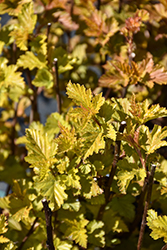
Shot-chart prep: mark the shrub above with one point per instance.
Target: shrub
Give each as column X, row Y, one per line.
column 93, row 173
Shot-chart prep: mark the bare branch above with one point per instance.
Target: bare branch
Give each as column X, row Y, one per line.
column 48, row 217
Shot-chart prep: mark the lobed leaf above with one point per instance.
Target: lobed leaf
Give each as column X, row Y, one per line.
column 158, row 225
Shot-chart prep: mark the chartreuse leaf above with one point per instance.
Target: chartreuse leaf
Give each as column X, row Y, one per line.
column 158, row 225
column 25, row 26
column 13, row 8
column 65, row 62
column 111, row 132
column 84, row 98
column 9, row 75
column 156, row 139
column 42, row 151
column 66, row 141
column 76, row 230
column 3, row 224
column 94, row 143
column 39, row 44
column 143, row 112
column 51, row 188
column 53, row 121
column 95, row 233
column 10, row 246
column 62, row 245
column 128, row 169
column 31, row 61
column 43, row 78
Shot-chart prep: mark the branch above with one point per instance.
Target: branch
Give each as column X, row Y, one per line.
column 98, row 4
column 113, row 171
column 164, row 247
column 28, row 234
column 58, row 97
column 139, row 209
column 147, row 202
column 48, row 215
column 34, row 115
column 13, row 146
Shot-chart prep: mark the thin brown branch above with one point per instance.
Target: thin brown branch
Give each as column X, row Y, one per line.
column 164, row 247
column 28, row 234
column 98, row 4
column 48, row 218
column 147, row 202
column 139, row 209
column 56, row 80
column 48, row 31
column 34, row 115
column 113, row 171
column 13, row 133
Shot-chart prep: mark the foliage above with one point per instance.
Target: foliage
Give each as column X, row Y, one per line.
column 93, row 158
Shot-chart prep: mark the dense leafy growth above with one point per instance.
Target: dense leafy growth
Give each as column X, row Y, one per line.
column 92, row 173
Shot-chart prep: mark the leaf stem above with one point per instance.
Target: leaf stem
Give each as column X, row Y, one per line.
column 147, row 202
column 48, row 216
column 58, row 97
column 28, row 234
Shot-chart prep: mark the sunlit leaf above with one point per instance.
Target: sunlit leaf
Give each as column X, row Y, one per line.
column 158, row 225
column 76, row 230
column 30, row 61
column 53, row 190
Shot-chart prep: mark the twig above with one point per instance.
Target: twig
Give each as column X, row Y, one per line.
column 13, row 146
column 98, row 4
column 58, row 97
column 164, row 247
column 139, row 209
column 28, row 234
column 48, row 216
column 113, row 171
column 34, row 116
column 147, row 202
column 48, row 31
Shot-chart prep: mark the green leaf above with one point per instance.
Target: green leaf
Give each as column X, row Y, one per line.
column 65, row 62
column 76, row 230
column 25, row 26
column 3, row 224
column 124, row 206
column 51, row 188
column 62, row 245
column 84, row 98
column 3, row 239
column 111, row 133
column 9, row 75
column 66, row 141
column 95, row 233
column 53, row 121
column 96, row 143
column 42, row 151
column 158, row 225
column 156, row 139
column 39, row 44
column 14, row 224
column 143, row 112
column 30, row 61
column 43, row 78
